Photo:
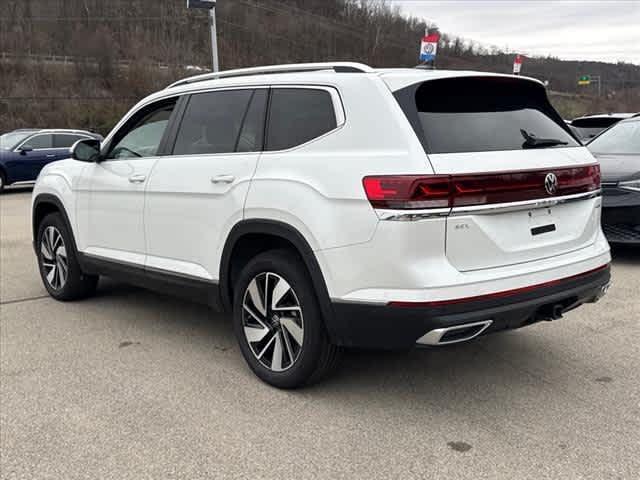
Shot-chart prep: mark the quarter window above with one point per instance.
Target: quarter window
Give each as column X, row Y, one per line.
column 39, row 142
column 212, row 122
column 298, row 115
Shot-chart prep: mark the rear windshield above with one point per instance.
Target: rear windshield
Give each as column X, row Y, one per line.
column 483, row 114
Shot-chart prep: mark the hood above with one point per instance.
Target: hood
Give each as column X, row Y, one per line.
column 618, row 168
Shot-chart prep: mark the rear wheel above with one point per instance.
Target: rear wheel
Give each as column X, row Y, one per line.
column 278, row 324
column 3, row 181
column 58, row 262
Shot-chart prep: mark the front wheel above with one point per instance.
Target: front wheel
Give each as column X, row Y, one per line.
column 278, row 323
column 58, row 263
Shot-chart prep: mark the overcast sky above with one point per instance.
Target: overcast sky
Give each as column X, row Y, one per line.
column 606, row 30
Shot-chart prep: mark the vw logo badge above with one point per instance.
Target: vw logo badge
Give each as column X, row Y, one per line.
column 551, row 183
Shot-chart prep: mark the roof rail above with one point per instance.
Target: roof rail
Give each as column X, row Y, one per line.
column 339, row 67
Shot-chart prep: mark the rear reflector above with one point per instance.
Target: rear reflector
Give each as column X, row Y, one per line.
column 446, row 191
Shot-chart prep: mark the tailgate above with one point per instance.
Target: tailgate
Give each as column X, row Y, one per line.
column 495, row 234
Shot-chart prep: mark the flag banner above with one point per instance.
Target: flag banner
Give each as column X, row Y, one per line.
column 517, row 64
column 429, row 47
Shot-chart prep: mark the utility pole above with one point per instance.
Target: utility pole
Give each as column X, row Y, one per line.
column 214, row 38
column 211, row 6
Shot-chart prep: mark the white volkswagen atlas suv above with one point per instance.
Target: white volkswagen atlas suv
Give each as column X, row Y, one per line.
column 334, row 205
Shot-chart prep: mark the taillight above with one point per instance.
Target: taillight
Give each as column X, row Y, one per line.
column 446, row 191
column 407, row 191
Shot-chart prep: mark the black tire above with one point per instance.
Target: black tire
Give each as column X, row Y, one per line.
column 77, row 285
column 316, row 357
column 3, row 181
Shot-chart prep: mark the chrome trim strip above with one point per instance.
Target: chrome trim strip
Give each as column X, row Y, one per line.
column 412, row 215
column 525, row 205
column 433, row 337
column 416, row 215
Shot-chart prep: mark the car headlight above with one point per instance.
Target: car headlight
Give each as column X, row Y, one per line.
column 633, row 185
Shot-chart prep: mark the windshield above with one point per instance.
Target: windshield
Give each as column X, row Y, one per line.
column 10, row 140
column 623, row 138
column 484, row 114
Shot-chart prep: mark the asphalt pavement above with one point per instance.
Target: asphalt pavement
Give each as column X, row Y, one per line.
column 133, row 384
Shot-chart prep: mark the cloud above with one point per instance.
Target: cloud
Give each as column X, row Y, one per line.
column 581, row 30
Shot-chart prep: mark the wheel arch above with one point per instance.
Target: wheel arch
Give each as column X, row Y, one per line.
column 3, row 172
column 43, row 205
column 250, row 237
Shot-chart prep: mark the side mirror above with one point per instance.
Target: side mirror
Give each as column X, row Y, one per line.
column 24, row 149
column 86, row 150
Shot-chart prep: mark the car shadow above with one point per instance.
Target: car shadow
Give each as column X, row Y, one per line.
column 15, row 190
column 508, row 361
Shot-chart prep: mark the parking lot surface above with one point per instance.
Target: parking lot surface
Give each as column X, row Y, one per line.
column 132, row 384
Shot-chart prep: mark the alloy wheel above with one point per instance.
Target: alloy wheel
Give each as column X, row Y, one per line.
column 54, row 258
column 272, row 321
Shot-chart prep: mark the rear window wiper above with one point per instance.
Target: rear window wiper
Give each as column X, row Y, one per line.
column 531, row 141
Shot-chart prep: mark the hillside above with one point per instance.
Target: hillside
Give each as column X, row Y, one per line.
column 114, row 49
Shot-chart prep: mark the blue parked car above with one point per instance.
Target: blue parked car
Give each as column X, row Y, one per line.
column 23, row 153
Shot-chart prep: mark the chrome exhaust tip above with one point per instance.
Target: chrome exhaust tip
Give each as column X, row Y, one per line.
column 455, row 334
column 603, row 291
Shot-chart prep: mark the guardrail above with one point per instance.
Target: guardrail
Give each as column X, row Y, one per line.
column 70, row 60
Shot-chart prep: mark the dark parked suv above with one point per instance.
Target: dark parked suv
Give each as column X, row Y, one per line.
column 23, row 153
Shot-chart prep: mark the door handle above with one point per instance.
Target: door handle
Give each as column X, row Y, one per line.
column 137, row 178
column 51, row 156
column 223, row 179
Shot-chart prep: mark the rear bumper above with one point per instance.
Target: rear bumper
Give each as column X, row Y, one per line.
column 400, row 326
column 622, row 224
column 621, row 215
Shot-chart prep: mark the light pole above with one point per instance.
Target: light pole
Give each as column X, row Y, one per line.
column 211, row 6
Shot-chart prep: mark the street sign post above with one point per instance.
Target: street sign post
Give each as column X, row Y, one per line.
column 211, row 6
column 589, row 79
column 584, row 80
column 517, row 64
column 429, row 47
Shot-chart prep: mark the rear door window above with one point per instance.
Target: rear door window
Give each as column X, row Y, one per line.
column 297, row 115
column 66, row 140
column 481, row 114
column 212, row 123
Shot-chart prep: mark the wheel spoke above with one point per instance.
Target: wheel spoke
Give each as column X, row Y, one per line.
column 278, row 353
column 255, row 334
column 57, row 239
column 255, row 316
column 46, row 252
column 287, row 344
column 290, row 325
column 50, row 240
column 261, row 354
column 279, row 291
column 62, row 272
column 256, row 298
column 51, row 275
column 287, row 309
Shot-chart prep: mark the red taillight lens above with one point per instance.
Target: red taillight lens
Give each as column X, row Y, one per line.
column 443, row 191
column 407, row 191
